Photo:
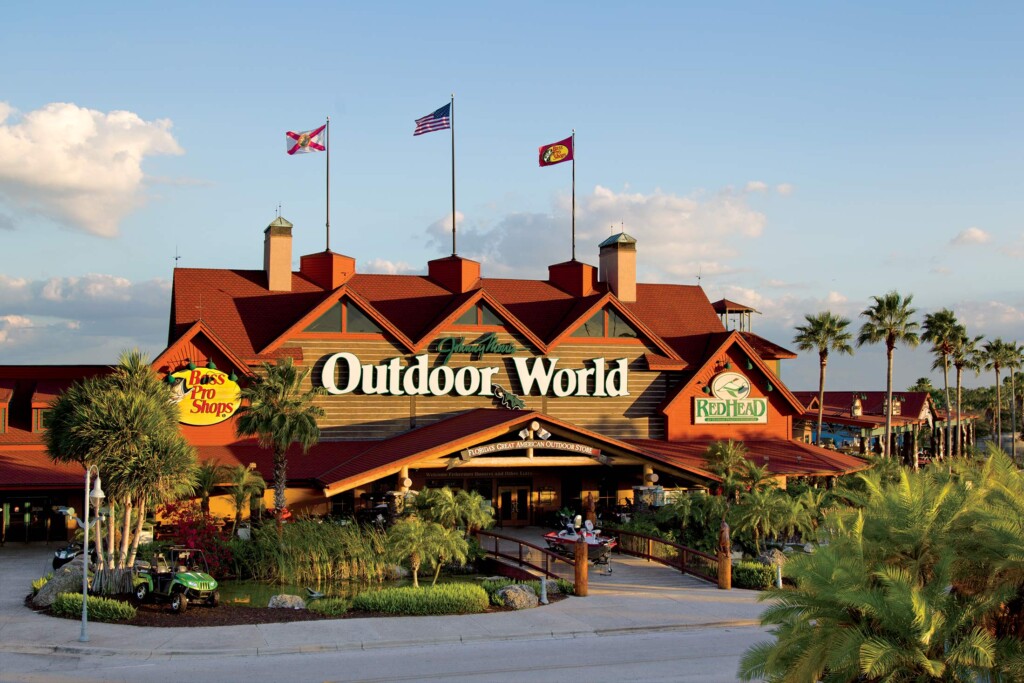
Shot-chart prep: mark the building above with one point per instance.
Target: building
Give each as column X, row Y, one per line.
column 540, row 394
column 855, row 420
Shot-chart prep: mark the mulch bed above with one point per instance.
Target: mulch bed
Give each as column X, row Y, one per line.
column 161, row 616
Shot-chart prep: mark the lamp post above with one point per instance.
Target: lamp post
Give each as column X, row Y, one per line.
column 95, row 495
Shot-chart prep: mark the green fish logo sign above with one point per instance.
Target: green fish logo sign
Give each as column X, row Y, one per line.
column 730, row 385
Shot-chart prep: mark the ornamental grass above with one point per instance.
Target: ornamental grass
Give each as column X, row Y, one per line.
column 100, row 609
column 446, row 598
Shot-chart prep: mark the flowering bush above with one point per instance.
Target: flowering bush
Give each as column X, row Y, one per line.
column 192, row 528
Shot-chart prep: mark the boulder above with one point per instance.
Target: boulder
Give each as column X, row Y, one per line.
column 67, row 579
column 517, row 597
column 552, row 586
column 287, row 602
column 808, row 548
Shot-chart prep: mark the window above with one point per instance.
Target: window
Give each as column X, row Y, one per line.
column 344, row 317
column 481, row 314
column 592, row 328
column 606, row 323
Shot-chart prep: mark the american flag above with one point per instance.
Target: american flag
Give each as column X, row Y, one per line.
column 438, row 120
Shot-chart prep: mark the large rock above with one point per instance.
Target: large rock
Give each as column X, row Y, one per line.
column 552, row 586
column 517, row 596
column 287, row 602
column 67, row 579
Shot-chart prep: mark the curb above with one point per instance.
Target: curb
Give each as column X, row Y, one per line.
column 87, row 650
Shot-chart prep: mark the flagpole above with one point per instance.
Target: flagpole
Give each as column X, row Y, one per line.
column 573, row 194
column 453, row 172
column 327, row 141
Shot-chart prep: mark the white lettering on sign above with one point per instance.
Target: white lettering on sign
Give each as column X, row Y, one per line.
column 520, row 445
column 392, row 378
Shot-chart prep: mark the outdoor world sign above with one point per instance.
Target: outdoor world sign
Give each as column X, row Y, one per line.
column 342, row 373
column 205, row 396
column 731, row 404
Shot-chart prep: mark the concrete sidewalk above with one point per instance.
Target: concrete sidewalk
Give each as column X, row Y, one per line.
column 643, row 597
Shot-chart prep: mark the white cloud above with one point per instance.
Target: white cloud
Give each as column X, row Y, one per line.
column 757, row 186
column 785, row 189
column 379, row 265
column 77, row 166
column 972, row 235
column 678, row 236
column 87, row 319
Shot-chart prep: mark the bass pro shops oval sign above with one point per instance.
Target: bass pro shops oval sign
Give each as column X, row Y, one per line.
column 205, row 396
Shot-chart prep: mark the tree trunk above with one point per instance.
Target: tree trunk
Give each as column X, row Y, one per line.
column 1013, row 414
column 122, row 559
column 280, row 480
column 949, row 416
column 141, row 519
column 823, row 355
column 999, row 411
column 959, row 414
column 886, row 445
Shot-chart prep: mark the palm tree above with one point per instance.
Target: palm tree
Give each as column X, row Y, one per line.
column 965, row 357
column 451, row 546
column 760, row 512
column 209, row 475
column 475, row 512
column 889, row 321
column 728, row 461
column 279, row 412
column 244, row 482
column 941, row 330
column 125, row 424
column 823, row 332
column 416, row 540
column 996, row 355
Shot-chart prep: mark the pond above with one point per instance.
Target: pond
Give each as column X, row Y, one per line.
column 258, row 594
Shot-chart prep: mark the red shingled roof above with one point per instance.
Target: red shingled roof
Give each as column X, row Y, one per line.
column 790, row 458
column 237, row 307
column 839, row 402
column 33, row 469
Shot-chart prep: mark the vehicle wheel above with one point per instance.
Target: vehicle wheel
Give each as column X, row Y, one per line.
column 214, row 599
column 179, row 603
column 141, row 591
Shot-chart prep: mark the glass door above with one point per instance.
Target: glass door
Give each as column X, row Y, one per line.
column 514, row 505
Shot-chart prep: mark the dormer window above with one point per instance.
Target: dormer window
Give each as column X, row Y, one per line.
column 605, row 324
column 480, row 315
column 344, row 317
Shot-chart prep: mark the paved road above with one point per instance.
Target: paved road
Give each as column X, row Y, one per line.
column 673, row 628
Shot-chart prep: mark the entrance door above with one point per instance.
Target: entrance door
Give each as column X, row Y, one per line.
column 514, row 505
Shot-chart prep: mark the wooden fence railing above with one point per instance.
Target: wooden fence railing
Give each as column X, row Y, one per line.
column 527, row 554
column 651, row 548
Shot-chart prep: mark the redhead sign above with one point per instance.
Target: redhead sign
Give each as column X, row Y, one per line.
column 205, row 396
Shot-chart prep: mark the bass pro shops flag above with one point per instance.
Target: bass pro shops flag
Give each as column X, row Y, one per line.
column 556, row 152
column 306, row 141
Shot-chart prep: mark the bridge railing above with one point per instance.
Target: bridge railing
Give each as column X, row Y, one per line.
column 653, row 549
column 526, row 554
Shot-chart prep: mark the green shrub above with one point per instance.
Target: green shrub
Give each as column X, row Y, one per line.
column 565, row 586
column 38, row 584
column 100, row 609
column 447, row 598
column 331, row 607
column 753, row 575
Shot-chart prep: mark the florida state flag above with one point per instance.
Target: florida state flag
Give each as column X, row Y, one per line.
column 305, row 141
column 556, row 152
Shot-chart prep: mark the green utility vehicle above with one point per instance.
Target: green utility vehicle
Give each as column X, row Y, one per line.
column 180, row 577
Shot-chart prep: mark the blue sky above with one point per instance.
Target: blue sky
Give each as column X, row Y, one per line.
column 799, row 156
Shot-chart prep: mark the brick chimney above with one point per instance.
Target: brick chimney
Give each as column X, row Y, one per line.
column 573, row 277
column 277, row 255
column 456, row 274
column 327, row 269
column 618, row 266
